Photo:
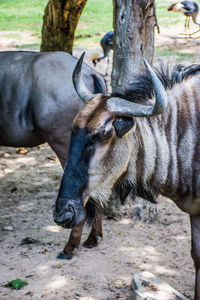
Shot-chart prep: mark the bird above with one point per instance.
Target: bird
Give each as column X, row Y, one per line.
column 107, row 44
column 190, row 9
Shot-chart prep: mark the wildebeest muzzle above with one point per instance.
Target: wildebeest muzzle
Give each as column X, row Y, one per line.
column 68, row 212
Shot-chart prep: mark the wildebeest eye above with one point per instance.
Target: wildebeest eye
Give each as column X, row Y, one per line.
column 89, row 151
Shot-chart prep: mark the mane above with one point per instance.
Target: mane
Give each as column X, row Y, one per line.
column 141, row 89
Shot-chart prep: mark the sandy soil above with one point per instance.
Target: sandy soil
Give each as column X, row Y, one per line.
column 29, row 185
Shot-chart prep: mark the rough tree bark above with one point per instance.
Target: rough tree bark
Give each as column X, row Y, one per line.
column 59, row 24
column 134, row 22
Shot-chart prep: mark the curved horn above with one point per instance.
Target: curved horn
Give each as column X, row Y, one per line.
column 79, row 85
column 129, row 109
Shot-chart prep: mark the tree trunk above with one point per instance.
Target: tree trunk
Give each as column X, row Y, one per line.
column 59, row 24
column 134, row 22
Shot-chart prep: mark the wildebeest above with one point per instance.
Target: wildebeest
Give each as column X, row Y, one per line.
column 38, row 101
column 152, row 147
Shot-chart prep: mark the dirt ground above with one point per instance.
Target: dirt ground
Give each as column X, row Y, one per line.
column 29, row 186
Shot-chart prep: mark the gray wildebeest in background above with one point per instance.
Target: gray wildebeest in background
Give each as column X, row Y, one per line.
column 154, row 148
column 38, row 101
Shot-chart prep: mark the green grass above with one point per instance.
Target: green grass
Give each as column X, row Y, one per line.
column 180, row 56
column 96, row 19
column 166, row 18
column 33, row 46
column 17, row 15
column 22, row 15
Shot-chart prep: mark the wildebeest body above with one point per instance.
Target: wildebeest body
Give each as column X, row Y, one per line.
column 38, row 101
column 37, row 98
column 154, row 148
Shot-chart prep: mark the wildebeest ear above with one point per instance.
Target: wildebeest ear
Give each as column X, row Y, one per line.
column 122, row 125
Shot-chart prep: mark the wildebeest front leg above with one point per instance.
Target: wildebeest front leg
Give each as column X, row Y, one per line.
column 75, row 237
column 73, row 242
column 95, row 233
column 195, row 252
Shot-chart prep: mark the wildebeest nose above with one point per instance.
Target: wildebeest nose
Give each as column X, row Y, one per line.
column 64, row 216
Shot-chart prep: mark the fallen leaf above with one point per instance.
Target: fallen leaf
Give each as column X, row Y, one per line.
column 16, row 284
column 35, row 227
column 44, row 251
column 31, row 275
column 28, row 240
column 53, row 158
column 21, row 150
column 29, row 294
column 8, row 228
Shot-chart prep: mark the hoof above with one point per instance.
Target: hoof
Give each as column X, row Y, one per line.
column 91, row 244
column 63, row 255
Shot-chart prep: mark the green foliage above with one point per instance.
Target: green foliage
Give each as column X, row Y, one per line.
column 16, row 284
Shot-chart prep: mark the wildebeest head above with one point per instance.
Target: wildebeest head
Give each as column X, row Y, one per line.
column 100, row 149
